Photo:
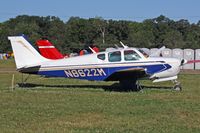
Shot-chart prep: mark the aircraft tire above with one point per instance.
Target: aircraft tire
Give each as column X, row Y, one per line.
column 177, row 88
column 129, row 85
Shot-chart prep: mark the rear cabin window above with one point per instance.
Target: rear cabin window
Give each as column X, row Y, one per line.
column 101, row 56
column 114, row 56
column 130, row 55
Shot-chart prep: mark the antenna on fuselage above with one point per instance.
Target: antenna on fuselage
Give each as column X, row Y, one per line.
column 92, row 50
column 123, row 44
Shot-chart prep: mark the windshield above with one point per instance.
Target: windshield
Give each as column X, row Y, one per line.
column 130, row 55
column 143, row 52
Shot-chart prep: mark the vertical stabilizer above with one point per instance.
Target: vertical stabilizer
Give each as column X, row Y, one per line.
column 24, row 53
column 48, row 51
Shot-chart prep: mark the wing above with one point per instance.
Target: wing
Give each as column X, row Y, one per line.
column 128, row 74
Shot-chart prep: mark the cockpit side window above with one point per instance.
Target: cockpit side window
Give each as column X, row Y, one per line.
column 114, row 56
column 101, row 56
column 130, row 55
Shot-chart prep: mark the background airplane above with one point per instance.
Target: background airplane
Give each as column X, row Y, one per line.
column 48, row 50
column 126, row 65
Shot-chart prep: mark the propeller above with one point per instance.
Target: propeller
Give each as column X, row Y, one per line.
column 123, row 44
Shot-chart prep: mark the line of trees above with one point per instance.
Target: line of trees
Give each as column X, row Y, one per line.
column 78, row 33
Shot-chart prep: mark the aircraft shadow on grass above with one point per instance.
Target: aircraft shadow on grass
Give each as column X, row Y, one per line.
column 113, row 88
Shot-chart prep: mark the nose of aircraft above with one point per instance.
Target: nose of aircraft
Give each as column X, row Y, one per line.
column 176, row 62
column 175, row 66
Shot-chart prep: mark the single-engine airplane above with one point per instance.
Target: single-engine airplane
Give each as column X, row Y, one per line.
column 126, row 65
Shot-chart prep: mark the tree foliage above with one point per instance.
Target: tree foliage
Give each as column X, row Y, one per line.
column 78, row 33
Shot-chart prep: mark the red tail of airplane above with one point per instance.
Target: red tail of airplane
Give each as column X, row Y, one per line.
column 47, row 50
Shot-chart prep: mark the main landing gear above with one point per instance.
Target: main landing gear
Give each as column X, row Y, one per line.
column 177, row 86
column 130, row 85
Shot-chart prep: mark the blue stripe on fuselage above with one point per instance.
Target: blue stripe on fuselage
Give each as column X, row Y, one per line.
column 100, row 73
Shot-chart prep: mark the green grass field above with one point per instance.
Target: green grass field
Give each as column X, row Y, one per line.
column 63, row 105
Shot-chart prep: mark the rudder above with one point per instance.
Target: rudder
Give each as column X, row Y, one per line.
column 24, row 53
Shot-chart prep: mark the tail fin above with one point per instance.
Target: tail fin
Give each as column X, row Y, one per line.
column 24, row 53
column 48, row 50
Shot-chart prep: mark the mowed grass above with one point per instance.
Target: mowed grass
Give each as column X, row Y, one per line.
column 65, row 105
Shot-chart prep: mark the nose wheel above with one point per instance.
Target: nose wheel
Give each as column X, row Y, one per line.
column 177, row 86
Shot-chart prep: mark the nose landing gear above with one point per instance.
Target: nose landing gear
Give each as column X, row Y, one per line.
column 177, row 86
